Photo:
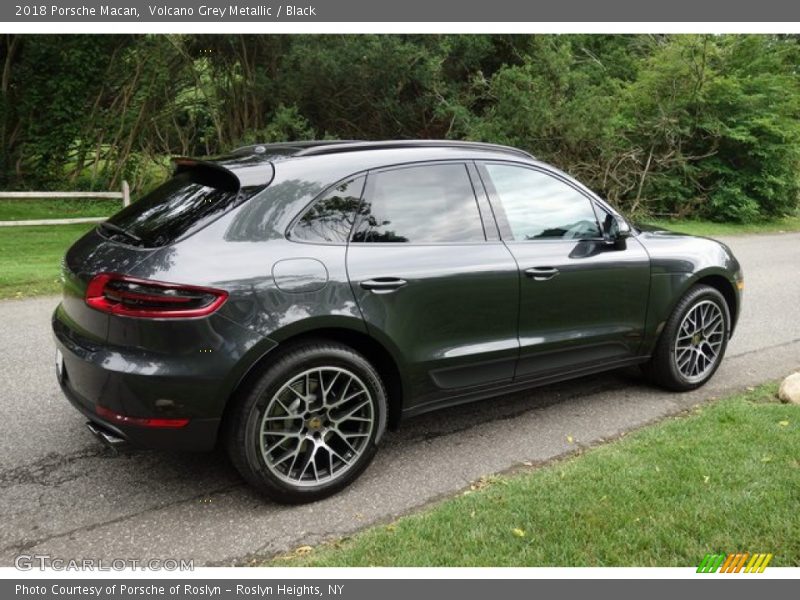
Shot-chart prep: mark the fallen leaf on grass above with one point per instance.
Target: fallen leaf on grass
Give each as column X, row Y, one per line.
column 518, row 532
column 296, row 553
column 486, row 481
column 482, row 483
column 783, row 423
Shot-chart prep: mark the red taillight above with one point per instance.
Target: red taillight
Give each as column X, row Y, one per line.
column 132, row 297
column 115, row 417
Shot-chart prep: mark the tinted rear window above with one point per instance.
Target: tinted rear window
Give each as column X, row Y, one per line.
column 420, row 205
column 181, row 206
column 331, row 217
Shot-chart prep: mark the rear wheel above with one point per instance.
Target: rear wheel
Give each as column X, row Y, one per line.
column 310, row 426
column 692, row 342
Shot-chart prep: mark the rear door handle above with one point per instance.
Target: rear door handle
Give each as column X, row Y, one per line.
column 541, row 273
column 383, row 285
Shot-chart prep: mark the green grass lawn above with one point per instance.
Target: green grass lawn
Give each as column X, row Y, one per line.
column 723, row 478
column 56, row 208
column 30, row 258
column 711, row 228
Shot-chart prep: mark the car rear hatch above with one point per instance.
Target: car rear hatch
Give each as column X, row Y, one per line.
column 199, row 193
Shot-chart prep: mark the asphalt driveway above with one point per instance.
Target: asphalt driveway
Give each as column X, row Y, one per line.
column 63, row 494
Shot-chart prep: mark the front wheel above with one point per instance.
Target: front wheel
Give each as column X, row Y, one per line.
column 692, row 342
column 310, row 426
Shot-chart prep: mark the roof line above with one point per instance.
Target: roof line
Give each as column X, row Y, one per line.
column 318, row 147
column 300, row 145
column 314, row 149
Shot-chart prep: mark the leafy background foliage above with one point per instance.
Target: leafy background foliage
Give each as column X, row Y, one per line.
column 684, row 125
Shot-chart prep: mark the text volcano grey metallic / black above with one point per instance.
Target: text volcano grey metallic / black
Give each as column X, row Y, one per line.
column 293, row 300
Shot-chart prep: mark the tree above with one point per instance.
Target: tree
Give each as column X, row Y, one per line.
column 690, row 125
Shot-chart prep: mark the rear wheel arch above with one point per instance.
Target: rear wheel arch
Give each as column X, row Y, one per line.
column 321, row 407
column 381, row 359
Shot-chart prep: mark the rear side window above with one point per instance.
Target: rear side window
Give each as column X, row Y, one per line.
column 330, row 218
column 539, row 206
column 418, row 205
column 182, row 205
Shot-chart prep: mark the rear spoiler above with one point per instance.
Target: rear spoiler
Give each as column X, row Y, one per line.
column 208, row 173
column 229, row 173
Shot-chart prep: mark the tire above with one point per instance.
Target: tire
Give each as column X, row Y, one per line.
column 290, row 439
column 671, row 365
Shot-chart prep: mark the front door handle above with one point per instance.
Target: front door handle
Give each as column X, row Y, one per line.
column 383, row 285
column 541, row 273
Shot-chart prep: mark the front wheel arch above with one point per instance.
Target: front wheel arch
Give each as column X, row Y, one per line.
column 713, row 277
column 724, row 286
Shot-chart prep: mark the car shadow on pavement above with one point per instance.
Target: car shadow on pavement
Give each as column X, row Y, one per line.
column 211, row 473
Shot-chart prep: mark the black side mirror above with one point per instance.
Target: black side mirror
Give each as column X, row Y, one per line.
column 616, row 230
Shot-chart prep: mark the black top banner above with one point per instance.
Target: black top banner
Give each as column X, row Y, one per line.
column 445, row 11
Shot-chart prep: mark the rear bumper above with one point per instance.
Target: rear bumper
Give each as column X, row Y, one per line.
column 137, row 383
column 199, row 435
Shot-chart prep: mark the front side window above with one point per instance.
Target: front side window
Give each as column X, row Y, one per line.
column 420, row 205
column 539, row 206
column 331, row 217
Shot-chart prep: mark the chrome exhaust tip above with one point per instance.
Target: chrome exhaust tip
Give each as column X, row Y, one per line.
column 108, row 438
